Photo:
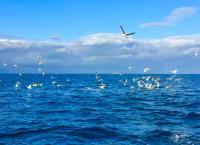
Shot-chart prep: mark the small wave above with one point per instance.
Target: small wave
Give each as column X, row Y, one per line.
column 192, row 116
column 37, row 130
column 158, row 136
column 94, row 132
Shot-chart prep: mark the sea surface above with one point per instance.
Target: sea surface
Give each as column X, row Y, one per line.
column 99, row 109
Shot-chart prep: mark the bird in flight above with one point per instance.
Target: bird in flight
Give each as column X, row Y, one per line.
column 126, row 35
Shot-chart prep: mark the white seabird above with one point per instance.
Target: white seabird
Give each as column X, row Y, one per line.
column 124, row 34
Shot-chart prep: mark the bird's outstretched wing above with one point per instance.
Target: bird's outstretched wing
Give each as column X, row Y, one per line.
column 130, row 33
column 122, row 29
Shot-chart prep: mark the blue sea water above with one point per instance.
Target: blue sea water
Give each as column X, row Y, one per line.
column 71, row 109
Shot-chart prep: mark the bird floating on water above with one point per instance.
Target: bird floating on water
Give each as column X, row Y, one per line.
column 174, row 71
column 147, row 70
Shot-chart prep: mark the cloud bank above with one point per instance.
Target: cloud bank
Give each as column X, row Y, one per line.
column 102, row 52
column 174, row 17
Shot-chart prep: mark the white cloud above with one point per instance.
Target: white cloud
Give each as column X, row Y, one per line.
column 99, row 50
column 174, row 17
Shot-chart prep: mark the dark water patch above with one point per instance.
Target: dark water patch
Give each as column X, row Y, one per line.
column 192, row 116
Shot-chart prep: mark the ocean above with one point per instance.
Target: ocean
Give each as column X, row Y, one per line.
column 99, row 109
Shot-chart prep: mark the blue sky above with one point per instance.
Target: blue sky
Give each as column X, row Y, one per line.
column 36, row 19
column 31, row 24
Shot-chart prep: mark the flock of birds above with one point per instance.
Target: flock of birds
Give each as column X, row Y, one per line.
column 147, row 82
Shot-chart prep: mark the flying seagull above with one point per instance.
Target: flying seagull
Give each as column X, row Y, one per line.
column 125, row 34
